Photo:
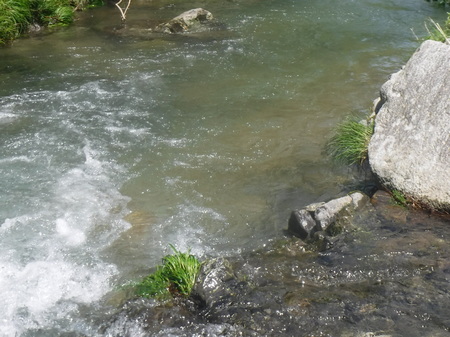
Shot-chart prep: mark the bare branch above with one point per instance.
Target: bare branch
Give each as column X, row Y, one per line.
column 123, row 12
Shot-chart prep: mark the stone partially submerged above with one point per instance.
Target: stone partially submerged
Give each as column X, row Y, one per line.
column 410, row 148
column 331, row 218
column 185, row 21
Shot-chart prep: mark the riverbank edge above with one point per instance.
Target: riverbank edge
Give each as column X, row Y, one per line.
column 22, row 19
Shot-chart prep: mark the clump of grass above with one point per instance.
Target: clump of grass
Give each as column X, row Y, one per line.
column 175, row 277
column 153, row 285
column 438, row 32
column 53, row 12
column 15, row 17
column 350, row 143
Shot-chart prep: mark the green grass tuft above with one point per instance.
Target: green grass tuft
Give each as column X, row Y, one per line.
column 438, row 32
column 176, row 277
column 181, row 269
column 153, row 285
column 399, row 198
column 350, row 143
column 17, row 15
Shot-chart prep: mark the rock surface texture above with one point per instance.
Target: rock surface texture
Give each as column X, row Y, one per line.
column 329, row 218
column 185, row 21
column 410, row 148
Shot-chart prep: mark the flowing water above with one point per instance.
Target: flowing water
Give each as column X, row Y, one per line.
column 116, row 142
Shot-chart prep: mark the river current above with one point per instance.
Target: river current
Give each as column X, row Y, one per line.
column 116, row 143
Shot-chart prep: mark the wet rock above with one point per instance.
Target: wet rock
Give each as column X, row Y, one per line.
column 322, row 242
column 314, row 206
column 331, row 218
column 140, row 317
column 387, row 208
column 268, row 293
column 254, row 307
column 410, row 148
column 301, row 224
column 214, row 283
column 185, row 21
column 223, row 297
column 34, row 28
column 327, row 214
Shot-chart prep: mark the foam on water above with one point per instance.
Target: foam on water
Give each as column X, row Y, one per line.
column 64, row 213
column 57, row 268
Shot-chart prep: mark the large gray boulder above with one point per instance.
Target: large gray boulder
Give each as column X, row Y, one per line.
column 410, row 148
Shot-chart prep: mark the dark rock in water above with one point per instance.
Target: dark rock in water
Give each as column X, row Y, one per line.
column 322, row 242
column 140, row 316
column 410, row 148
column 387, row 208
column 228, row 299
column 185, row 21
column 215, row 283
column 301, row 223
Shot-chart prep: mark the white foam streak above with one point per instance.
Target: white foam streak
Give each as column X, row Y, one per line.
column 41, row 289
column 72, row 236
column 50, row 261
column 24, row 159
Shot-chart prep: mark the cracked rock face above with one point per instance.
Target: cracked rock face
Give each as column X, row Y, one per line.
column 410, row 148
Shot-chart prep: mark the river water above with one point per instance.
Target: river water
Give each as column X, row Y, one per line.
column 116, row 143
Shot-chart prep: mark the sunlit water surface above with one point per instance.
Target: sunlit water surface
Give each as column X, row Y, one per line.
column 115, row 143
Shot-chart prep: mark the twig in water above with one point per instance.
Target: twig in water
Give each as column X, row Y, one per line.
column 123, row 13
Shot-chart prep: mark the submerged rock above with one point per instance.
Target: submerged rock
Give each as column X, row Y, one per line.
column 185, row 21
column 215, row 283
column 301, row 223
column 410, row 148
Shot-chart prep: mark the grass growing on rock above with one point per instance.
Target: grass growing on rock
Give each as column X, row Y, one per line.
column 350, row 143
column 438, row 32
column 175, row 277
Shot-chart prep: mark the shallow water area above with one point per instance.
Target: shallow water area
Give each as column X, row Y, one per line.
column 385, row 276
column 116, row 142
